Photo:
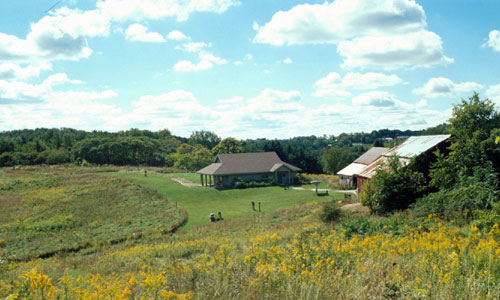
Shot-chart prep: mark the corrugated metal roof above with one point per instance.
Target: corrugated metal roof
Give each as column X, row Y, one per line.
column 371, row 155
column 245, row 163
column 413, row 146
column 416, row 145
column 351, row 169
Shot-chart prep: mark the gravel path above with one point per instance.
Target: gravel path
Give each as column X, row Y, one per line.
column 184, row 182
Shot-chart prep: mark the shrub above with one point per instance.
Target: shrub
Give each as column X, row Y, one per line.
column 393, row 187
column 471, row 193
column 330, row 212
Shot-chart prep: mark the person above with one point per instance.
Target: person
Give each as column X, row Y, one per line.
column 212, row 217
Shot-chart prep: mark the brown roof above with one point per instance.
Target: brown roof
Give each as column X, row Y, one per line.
column 246, row 163
column 371, row 155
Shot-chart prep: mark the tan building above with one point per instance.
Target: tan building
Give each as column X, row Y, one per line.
column 347, row 176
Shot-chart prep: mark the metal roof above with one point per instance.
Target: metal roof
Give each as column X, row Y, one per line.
column 351, row 169
column 412, row 147
column 416, row 145
column 246, row 163
column 371, row 155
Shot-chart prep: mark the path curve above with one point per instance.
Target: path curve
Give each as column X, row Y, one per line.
column 184, row 182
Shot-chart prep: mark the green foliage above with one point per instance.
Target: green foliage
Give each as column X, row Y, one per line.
column 335, row 159
column 192, row 158
column 474, row 126
column 240, row 184
column 486, row 219
column 205, row 138
column 370, row 226
column 393, row 187
column 330, row 212
column 471, row 193
column 228, row 145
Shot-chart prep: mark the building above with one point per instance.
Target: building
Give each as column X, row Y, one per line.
column 347, row 174
column 258, row 166
column 414, row 146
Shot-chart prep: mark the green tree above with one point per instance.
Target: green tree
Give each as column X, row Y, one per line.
column 474, row 126
column 393, row 187
column 205, row 138
column 228, row 145
column 335, row 159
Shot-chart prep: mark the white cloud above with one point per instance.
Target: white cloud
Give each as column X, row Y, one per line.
column 494, row 40
column 207, row 60
column 333, row 85
column 138, row 10
column 13, row 71
column 370, row 34
column 61, row 35
column 493, row 93
column 288, row 61
column 176, row 35
column 444, row 87
column 340, row 20
column 60, row 78
column 139, row 33
column 376, row 98
column 189, row 66
column 418, row 49
column 195, row 46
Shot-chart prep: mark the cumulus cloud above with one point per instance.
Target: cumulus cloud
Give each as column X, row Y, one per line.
column 444, row 87
column 139, row 33
column 288, row 61
column 62, row 35
column 422, row 49
column 340, row 20
column 494, row 40
column 333, row 85
column 206, row 60
column 60, row 78
column 176, row 35
column 13, row 71
column 370, row 34
column 375, row 98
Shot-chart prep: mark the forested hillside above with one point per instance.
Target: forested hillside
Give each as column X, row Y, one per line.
column 323, row 154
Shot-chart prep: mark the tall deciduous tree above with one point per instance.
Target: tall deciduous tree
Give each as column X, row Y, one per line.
column 228, row 145
column 205, row 138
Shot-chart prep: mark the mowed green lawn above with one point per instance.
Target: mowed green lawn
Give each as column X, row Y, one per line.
column 201, row 201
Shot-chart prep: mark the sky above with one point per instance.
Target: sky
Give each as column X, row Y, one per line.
column 244, row 68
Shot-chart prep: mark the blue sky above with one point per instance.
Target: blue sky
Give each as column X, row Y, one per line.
column 246, row 69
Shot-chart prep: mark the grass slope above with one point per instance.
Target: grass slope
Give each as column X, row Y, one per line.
column 234, row 204
column 44, row 211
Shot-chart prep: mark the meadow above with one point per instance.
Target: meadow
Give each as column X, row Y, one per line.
column 281, row 253
column 45, row 211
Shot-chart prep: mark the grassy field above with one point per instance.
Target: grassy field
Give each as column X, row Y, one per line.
column 284, row 252
column 233, row 204
column 44, row 211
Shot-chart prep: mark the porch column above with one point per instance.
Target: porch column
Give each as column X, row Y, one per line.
column 201, row 179
column 210, row 179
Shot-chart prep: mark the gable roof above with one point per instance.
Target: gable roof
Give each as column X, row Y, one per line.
column 416, row 145
column 361, row 162
column 371, row 155
column 246, row 163
column 351, row 169
column 413, row 146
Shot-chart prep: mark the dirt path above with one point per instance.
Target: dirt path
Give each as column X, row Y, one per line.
column 184, row 182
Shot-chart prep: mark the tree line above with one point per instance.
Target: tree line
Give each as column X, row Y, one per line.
column 313, row 154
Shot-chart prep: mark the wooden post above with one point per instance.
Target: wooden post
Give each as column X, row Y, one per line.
column 201, row 179
column 259, row 206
